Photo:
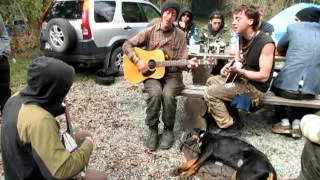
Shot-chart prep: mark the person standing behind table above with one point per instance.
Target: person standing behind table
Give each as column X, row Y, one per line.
column 215, row 24
column 5, row 91
column 185, row 23
column 254, row 75
column 299, row 78
column 30, row 142
column 264, row 26
column 170, row 39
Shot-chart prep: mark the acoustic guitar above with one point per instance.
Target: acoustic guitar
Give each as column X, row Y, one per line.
column 156, row 62
column 231, row 77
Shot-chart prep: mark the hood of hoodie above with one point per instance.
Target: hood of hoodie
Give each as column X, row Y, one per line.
column 182, row 11
column 49, row 81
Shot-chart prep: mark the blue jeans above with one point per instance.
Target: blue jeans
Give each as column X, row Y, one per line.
column 163, row 92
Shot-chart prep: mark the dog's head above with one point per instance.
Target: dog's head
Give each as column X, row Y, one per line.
column 191, row 143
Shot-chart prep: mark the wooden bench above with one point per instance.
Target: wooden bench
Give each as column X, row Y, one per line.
column 269, row 98
column 195, row 107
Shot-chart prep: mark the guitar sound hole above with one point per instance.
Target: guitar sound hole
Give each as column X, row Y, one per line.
column 152, row 64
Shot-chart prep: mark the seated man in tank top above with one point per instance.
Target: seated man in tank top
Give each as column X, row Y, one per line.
column 253, row 70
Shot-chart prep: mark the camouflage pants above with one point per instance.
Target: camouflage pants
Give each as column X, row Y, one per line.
column 218, row 92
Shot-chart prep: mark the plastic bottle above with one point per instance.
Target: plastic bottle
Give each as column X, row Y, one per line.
column 234, row 43
column 192, row 41
column 196, row 34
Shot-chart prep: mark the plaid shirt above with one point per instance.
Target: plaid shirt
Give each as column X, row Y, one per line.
column 172, row 42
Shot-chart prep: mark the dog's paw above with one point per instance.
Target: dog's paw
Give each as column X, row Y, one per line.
column 188, row 173
column 175, row 172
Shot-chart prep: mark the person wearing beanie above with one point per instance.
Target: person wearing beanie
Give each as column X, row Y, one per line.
column 161, row 92
column 30, row 141
column 310, row 14
column 298, row 79
column 310, row 158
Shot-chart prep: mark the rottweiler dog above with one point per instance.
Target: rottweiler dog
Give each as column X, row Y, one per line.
column 248, row 161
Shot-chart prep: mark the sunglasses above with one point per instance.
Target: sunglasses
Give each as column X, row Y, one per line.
column 186, row 14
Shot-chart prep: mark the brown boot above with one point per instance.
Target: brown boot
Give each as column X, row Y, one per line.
column 152, row 139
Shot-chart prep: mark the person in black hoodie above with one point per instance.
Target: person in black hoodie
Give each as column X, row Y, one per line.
column 30, row 142
column 185, row 22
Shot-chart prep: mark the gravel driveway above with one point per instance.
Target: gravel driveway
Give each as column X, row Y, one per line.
column 115, row 116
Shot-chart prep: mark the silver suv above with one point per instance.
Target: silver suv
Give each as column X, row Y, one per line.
column 88, row 32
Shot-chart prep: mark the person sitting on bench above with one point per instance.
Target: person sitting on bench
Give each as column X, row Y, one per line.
column 254, row 73
column 298, row 79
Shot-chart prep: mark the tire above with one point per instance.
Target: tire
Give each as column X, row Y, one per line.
column 104, row 80
column 117, row 60
column 61, row 35
column 107, row 72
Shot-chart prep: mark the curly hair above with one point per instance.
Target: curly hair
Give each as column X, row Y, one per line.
column 251, row 12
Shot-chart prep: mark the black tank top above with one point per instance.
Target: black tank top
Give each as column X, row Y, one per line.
column 252, row 61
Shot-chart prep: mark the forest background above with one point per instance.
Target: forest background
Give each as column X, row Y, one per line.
column 29, row 13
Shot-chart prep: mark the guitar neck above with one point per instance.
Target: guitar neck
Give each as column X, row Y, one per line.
column 182, row 62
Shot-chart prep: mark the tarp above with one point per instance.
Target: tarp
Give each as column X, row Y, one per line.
column 286, row 17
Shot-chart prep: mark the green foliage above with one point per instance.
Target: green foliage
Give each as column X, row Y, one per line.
column 18, row 73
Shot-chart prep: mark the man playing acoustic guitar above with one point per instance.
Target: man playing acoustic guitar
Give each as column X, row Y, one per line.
column 165, row 36
column 254, row 73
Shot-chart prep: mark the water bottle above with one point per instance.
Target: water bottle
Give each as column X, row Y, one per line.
column 196, row 34
column 234, row 43
column 192, row 41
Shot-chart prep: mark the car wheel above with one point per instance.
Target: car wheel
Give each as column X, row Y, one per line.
column 61, row 35
column 116, row 59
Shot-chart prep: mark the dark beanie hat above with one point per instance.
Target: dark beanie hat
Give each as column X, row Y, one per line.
column 170, row 4
column 310, row 14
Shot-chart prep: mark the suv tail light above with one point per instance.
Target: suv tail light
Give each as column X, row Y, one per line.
column 43, row 17
column 86, row 31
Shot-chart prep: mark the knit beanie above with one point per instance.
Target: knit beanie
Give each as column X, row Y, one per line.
column 171, row 4
column 310, row 14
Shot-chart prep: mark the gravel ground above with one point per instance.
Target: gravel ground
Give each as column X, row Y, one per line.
column 115, row 116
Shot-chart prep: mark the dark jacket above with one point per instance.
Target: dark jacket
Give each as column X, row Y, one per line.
column 189, row 29
column 31, row 148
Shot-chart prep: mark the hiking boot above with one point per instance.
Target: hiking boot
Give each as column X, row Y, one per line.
column 167, row 139
column 152, row 139
column 296, row 131
column 233, row 130
column 279, row 128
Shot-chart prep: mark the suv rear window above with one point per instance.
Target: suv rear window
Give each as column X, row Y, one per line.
column 104, row 11
column 66, row 10
column 131, row 13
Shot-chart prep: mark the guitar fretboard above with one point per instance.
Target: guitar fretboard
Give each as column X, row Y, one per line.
column 183, row 62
